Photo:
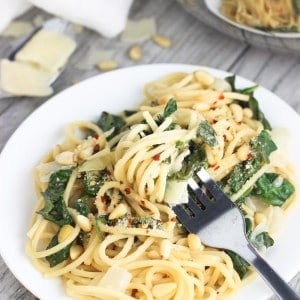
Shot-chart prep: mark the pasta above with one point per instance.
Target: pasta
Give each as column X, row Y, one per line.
column 279, row 15
column 104, row 221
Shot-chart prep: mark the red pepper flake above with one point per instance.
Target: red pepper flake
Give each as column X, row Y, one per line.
column 130, row 220
column 173, row 219
column 249, row 155
column 142, row 202
column 96, row 136
column 216, row 167
column 127, row 191
column 221, row 96
column 105, row 199
column 238, row 123
column 224, row 137
column 96, row 149
column 214, row 121
column 134, row 292
column 156, row 157
column 108, row 172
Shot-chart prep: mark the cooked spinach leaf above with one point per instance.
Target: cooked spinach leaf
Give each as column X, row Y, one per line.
column 108, row 121
column 55, row 209
column 263, row 239
column 60, row 256
column 207, row 133
column 296, row 4
column 170, row 108
column 93, row 180
column 258, row 114
column 82, row 206
column 193, row 162
column 271, row 193
column 262, row 146
column 239, row 264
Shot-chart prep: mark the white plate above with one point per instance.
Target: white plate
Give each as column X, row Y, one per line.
column 215, row 6
column 113, row 91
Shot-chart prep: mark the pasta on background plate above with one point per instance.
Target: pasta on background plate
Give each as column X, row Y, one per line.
column 104, row 221
column 279, row 15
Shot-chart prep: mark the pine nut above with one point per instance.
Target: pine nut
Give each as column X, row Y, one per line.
column 204, row 78
column 75, row 251
column 64, row 233
column 107, row 65
column 248, row 113
column 236, row 96
column 165, row 248
column 237, row 112
column 163, row 289
column 194, row 242
column 259, row 218
column 135, row 53
column 84, row 223
column 243, row 152
column 118, row 212
column 66, row 158
column 162, row 40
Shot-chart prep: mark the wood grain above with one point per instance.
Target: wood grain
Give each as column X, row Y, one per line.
column 193, row 43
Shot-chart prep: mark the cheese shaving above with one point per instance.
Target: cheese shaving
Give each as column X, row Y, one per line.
column 48, row 50
column 22, row 79
column 139, row 31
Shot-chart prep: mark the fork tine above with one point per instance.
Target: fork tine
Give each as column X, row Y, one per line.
column 200, row 194
column 181, row 213
column 213, row 188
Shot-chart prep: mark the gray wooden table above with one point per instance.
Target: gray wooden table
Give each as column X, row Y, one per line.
column 192, row 43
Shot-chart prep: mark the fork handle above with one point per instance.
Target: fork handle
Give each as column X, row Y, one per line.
column 279, row 286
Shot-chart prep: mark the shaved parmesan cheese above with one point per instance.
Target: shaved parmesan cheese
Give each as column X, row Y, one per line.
column 24, row 79
column 17, row 29
column 176, row 192
column 47, row 49
column 139, row 31
column 116, row 279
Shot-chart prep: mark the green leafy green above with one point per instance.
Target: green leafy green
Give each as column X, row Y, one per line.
column 258, row 114
column 262, row 146
column 108, row 121
column 239, row 264
column 192, row 162
column 271, row 193
column 207, row 133
column 241, row 173
column 170, row 108
column 146, row 222
column 55, row 209
column 296, row 4
column 93, row 180
column 129, row 113
column 82, row 206
column 263, row 239
column 60, row 256
column 249, row 226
